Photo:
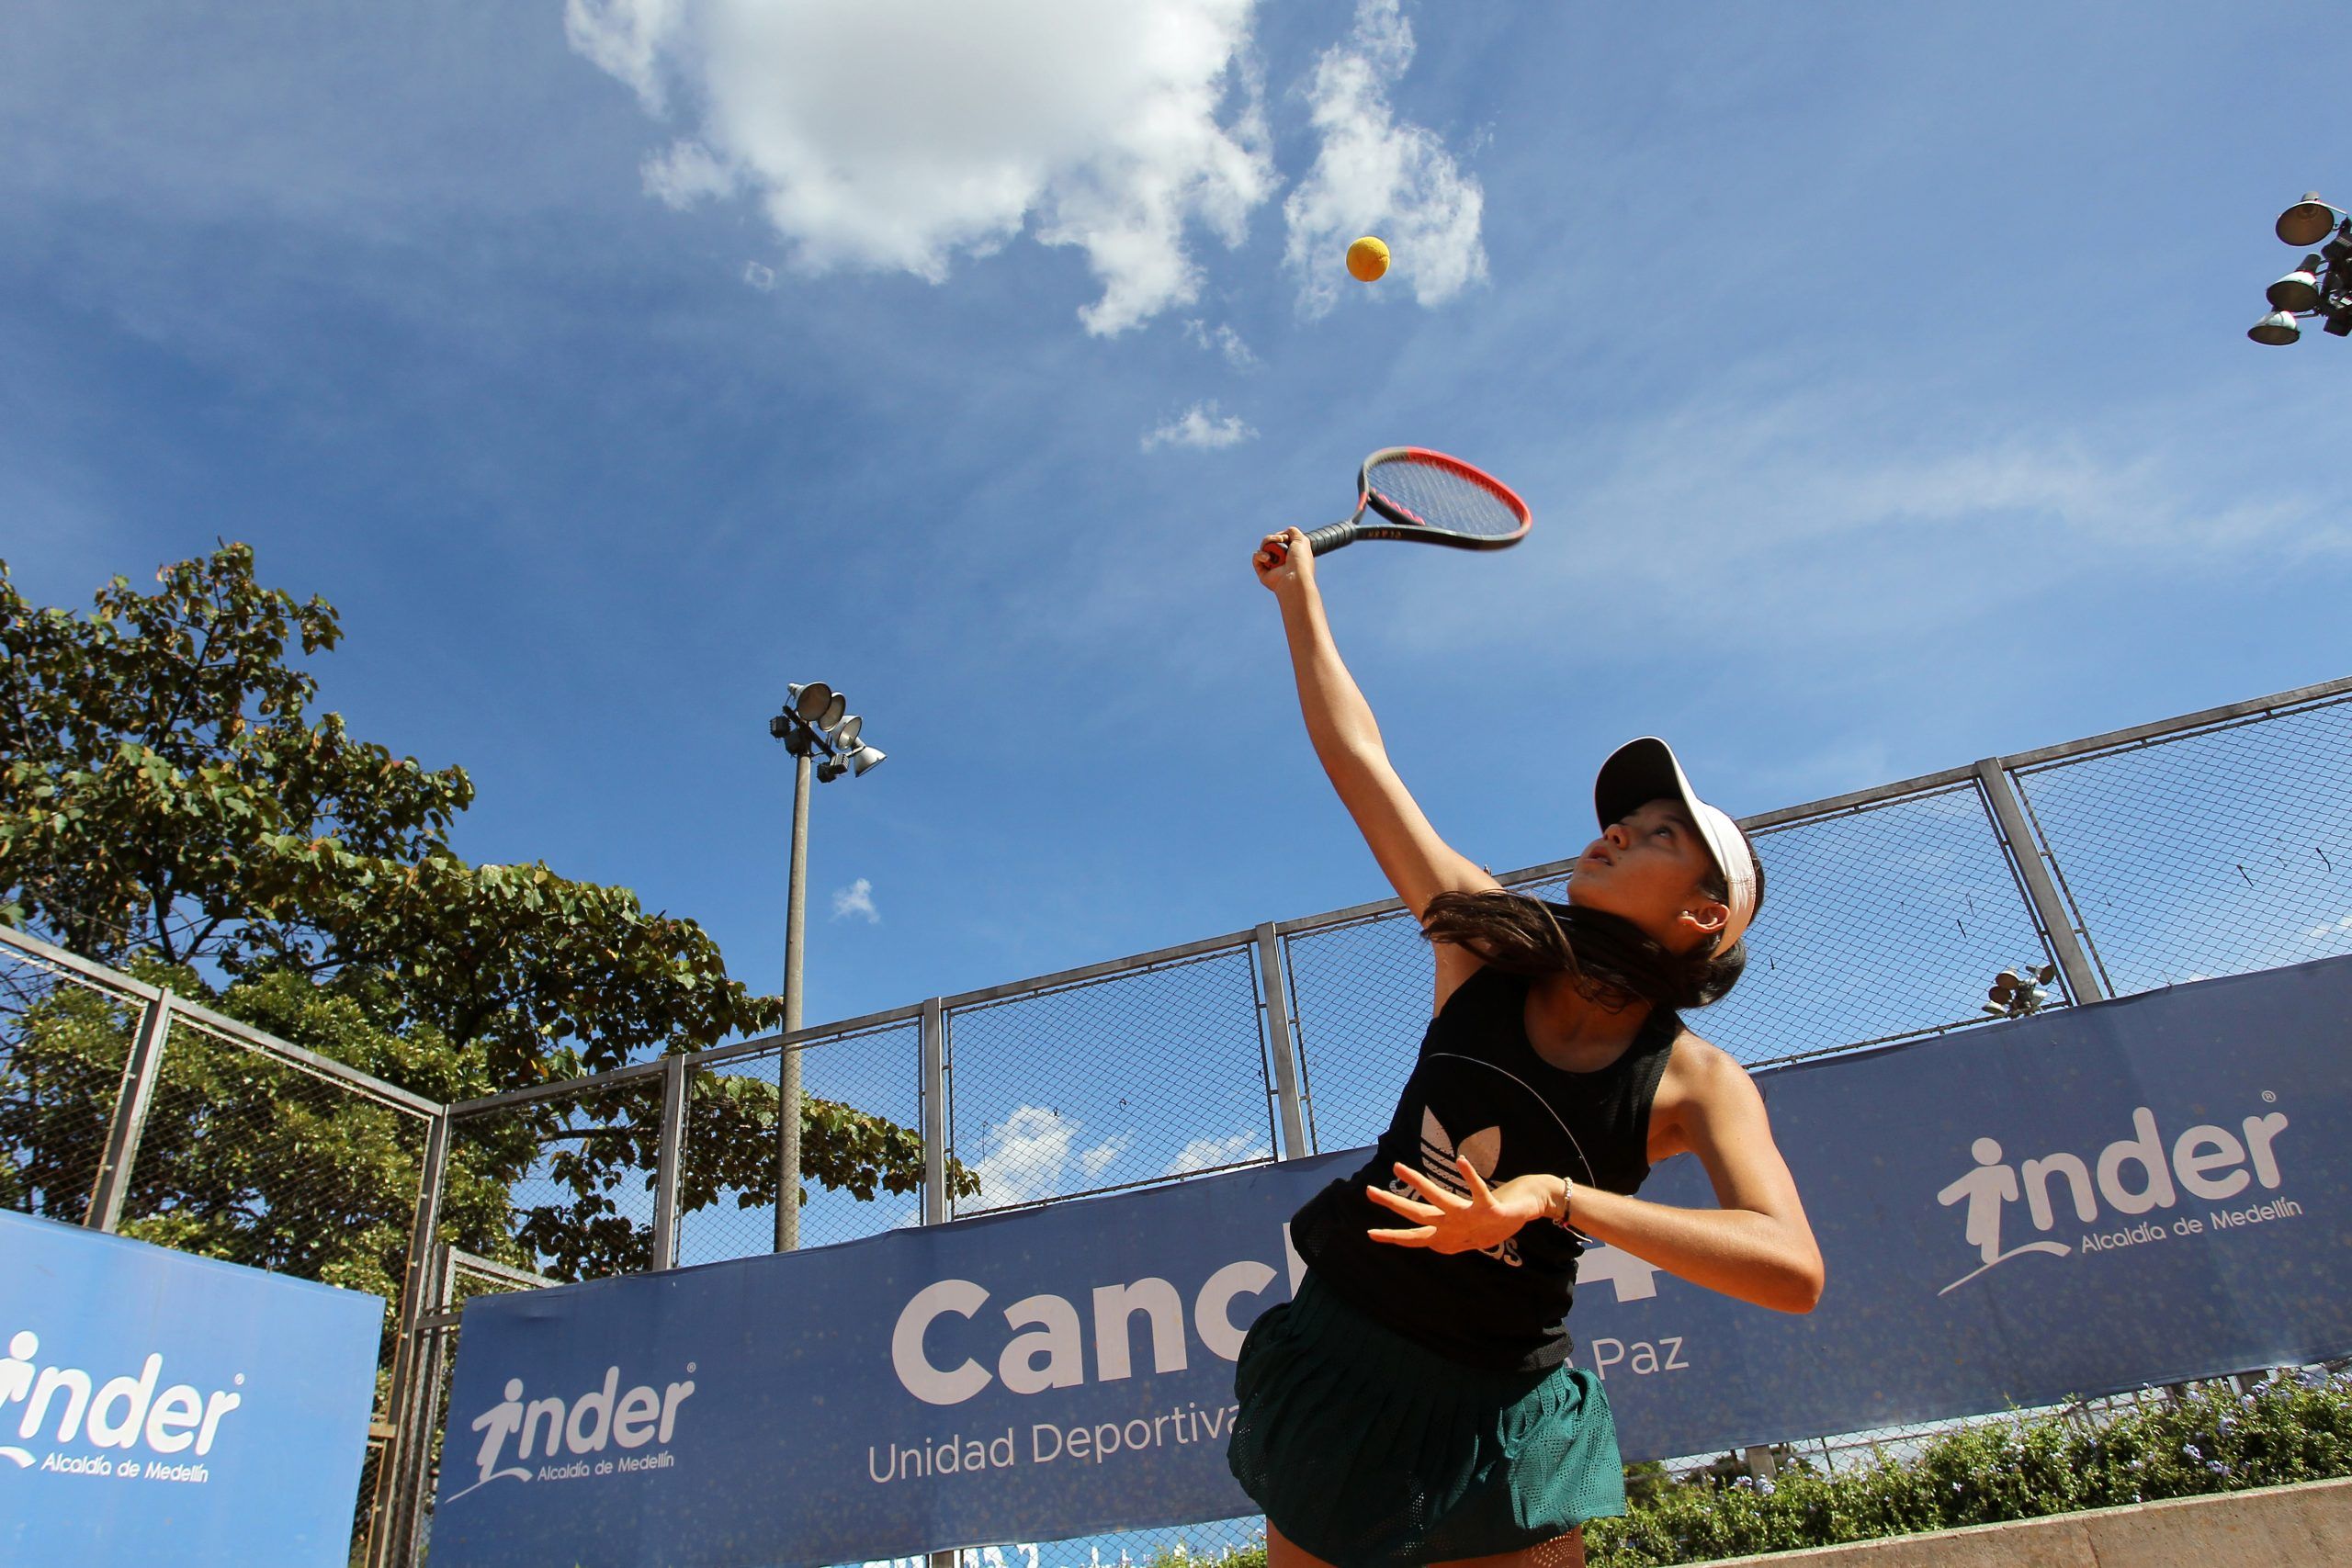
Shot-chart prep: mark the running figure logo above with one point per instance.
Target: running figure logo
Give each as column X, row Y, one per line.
column 497, row 1424
column 1984, row 1189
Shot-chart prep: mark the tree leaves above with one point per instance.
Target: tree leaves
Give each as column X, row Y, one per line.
column 168, row 798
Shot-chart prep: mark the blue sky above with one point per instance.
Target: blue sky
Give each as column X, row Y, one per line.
column 1877, row 376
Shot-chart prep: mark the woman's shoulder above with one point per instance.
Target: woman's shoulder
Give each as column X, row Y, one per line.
column 1483, row 989
column 1697, row 1063
column 1699, row 1074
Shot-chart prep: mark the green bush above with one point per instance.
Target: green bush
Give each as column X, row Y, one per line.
column 2293, row 1426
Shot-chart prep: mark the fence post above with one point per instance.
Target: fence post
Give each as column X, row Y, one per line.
column 406, row 1465
column 1278, row 1043
column 934, row 1113
column 2050, row 910
column 667, row 1162
column 934, row 1146
column 139, row 1070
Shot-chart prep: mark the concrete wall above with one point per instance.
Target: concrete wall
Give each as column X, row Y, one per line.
column 2308, row 1526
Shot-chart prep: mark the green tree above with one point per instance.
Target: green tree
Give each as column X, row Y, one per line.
column 169, row 802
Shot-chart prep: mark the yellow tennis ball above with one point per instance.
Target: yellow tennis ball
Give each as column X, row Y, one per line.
column 1367, row 259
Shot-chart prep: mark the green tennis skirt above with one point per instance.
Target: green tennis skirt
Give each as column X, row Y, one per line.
column 1372, row 1452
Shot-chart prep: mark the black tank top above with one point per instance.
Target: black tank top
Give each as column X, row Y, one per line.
column 1479, row 1091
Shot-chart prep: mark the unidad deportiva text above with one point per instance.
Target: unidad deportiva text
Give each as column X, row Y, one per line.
column 1086, row 1441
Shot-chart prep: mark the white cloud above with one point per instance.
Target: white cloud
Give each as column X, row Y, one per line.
column 1208, row 1153
column 858, row 898
column 1099, row 1158
column 1027, row 1153
column 684, row 175
column 1200, row 425
column 760, row 277
column 898, row 135
column 1222, row 340
column 624, row 37
column 1375, row 174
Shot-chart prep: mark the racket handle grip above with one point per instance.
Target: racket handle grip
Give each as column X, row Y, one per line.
column 1323, row 541
column 1320, row 542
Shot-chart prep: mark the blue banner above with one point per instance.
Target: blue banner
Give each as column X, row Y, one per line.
column 159, row 1407
column 2096, row 1199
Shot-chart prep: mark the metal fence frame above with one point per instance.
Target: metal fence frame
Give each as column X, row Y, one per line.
column 390, row 1457
column 427, row 1310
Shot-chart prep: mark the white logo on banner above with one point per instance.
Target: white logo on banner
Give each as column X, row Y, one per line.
column 564, row 1433
column 123, row 1414
column 2136, row 1176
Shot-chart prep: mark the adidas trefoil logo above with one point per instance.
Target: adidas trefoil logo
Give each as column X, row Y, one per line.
column 1483, row 1149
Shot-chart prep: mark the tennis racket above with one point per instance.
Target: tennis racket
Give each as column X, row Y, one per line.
column 1411, row 493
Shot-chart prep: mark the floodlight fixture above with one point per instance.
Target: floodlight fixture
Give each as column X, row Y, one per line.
column 809, row 700
column 844, row 734
column 2275, row 330
column 2308, row 221
column 2299, row 290
column 864, row 758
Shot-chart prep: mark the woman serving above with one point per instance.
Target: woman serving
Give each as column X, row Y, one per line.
column 1414, row 1404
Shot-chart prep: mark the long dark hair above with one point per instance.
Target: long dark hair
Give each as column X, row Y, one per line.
column 1611, row 962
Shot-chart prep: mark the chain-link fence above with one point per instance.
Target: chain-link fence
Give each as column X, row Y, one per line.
column 126, row 1109
column 1207, row 1543
column 65, row 1032
column 405, row 1500
column 858, row 1086
column 2215, row 844
column 1121, row 1080
column 2214, row 852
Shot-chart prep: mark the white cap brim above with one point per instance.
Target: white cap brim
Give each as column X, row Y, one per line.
column 1645, row 769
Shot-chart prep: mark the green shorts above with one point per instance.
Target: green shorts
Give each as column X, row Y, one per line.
column 1372, row 1452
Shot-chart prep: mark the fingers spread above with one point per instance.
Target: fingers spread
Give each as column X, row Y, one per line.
column 1419, row 1236
column 1405, row 1206
column 1431, row 1190
column 1479, row 1192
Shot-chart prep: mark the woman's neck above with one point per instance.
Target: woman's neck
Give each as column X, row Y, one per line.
column 1573, row 1032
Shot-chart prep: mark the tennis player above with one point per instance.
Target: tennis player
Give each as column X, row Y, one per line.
column 1414, row 1403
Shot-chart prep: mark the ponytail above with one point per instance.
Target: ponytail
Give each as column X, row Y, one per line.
column 1611, row 962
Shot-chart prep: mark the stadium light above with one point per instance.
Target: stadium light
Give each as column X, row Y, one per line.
column 2275, row 330
column 2321, row 286
column 815, row 723
column 2308, row 221
column 2299, row 290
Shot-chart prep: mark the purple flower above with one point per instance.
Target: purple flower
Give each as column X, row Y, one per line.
column 2192, row 1450
column 2217, row 1467
column 1764, row 1485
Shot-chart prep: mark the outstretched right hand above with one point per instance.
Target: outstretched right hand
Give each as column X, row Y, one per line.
column 1284, row 561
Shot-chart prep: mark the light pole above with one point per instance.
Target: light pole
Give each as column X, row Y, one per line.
column 2321, row 285
column 815, row 721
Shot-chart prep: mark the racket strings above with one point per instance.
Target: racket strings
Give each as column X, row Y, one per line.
column 1444, row 496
